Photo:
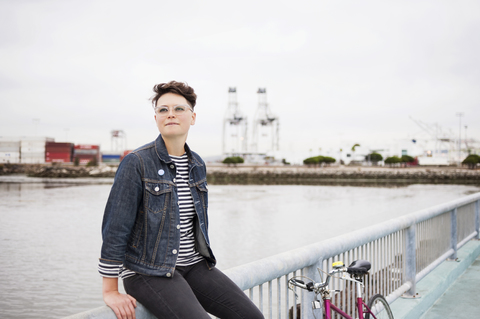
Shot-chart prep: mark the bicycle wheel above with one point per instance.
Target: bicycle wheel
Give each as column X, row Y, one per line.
column 379, row 306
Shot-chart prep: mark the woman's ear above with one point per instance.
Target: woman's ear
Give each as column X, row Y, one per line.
column 194, row 117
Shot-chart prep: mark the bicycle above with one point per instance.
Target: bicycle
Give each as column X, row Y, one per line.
column 376, row 308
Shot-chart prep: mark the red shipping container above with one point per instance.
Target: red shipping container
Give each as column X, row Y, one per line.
column 58, row 157
column 87, row 147
column 86, row 153
column 58, row 152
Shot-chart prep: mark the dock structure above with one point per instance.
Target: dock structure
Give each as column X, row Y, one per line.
column 265, row 126
column 415, row 259
column 234, row 126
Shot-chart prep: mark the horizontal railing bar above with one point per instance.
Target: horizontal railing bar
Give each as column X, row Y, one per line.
column 467, row 239
column 398, row 292
column 432, row 265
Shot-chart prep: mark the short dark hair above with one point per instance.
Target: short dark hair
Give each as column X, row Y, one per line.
column 175, row 87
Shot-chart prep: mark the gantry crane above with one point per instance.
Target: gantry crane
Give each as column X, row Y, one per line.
column 234, row 126
column 265, row 126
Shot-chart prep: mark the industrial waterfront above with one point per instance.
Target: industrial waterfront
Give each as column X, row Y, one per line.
column 50, row 232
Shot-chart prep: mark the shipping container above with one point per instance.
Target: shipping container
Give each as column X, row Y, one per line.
column 87, row 147
column 111, row 158
column 29, row 144
column 87, row 150
column 34, row 144
column 10, row 154
column 10, row 157
column 9, row 146
column 58, row 157
column 29, row 159
column 58, row 152
column 32, row 149
column 32, row 154
column 86, row 153
column 61, row 146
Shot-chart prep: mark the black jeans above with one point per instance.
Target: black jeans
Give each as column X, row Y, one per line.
column 191, row 293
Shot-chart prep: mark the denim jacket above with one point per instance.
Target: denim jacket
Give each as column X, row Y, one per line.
column 141, row 223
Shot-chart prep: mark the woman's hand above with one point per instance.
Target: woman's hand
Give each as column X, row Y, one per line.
column 122, row 305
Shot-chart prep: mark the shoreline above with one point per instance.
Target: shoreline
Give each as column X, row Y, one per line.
column 341, row 175
column 220, row 174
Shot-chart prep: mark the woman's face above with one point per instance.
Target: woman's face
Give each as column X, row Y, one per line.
column 170, row 123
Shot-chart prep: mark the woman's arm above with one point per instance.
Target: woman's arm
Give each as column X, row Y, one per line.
column 118, row 221
column 121, row 210
column 123, row 305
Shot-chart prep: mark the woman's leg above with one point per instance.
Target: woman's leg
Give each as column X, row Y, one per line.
column 165, row 297
column 219, row 295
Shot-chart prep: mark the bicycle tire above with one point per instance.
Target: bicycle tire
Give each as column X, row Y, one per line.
column 378, row 299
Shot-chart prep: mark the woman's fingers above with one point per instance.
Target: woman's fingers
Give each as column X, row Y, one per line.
column 122, row 305
column 134, row 301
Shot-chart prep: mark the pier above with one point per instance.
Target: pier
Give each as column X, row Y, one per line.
column 415, row 259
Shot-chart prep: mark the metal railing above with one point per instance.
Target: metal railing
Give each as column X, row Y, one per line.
column 402, row 251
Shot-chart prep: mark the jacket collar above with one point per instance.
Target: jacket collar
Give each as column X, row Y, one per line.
column 162, row 152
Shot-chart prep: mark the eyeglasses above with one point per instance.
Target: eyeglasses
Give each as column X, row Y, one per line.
column 178, row 110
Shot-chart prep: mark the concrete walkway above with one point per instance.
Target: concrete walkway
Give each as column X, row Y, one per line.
column 452, row 290
column 462, row 299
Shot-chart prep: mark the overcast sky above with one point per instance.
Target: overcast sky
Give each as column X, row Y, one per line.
column 336, row 72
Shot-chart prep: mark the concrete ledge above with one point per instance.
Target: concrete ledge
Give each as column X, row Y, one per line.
column 106, row 313
column 432, row 286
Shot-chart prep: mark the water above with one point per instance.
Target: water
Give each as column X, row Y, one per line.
column 50, row 232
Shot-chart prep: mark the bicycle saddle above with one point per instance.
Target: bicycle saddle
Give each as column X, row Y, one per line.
column 359, row 267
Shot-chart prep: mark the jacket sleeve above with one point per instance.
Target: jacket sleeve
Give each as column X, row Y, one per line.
column 121, row 210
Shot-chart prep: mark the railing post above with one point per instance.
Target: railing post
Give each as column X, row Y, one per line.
column 477, row 218
column 410, row 260
column 453, row 234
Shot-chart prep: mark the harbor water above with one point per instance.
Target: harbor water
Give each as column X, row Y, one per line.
column 50, row 232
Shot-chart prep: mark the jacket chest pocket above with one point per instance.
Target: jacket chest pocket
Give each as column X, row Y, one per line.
column 157, row 197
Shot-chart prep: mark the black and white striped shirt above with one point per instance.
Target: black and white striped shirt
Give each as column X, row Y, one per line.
column 187, row 255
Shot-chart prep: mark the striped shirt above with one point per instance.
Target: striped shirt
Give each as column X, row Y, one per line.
column 187, row 255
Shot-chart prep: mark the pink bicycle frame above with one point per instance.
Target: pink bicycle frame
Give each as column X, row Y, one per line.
column 329, row 306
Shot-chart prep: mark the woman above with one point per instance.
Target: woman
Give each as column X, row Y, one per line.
column 155, row 226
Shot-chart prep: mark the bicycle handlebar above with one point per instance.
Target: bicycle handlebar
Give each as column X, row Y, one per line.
column 356, row 269
column 313, row 286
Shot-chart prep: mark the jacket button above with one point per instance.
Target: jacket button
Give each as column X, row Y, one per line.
column 174, row 180
column 174, row 251
column 178, row 226
column 157, row 189
column 169, row 275
column 172, row 166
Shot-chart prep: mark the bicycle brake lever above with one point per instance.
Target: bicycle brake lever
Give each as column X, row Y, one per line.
column 310, row 286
